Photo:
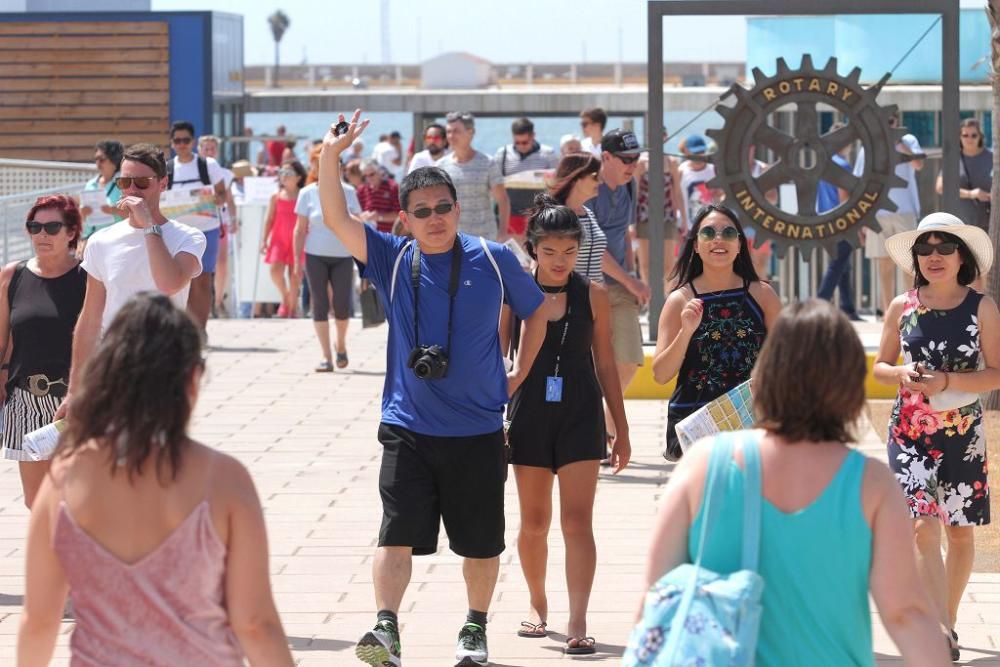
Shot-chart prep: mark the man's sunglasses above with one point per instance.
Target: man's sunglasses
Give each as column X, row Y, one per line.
column 141, row 182
column 440, row 209
column 181, row 140
column 627, row 159
column 970, row 136
column 51, row 228
column 726, row 233
column 927, row 249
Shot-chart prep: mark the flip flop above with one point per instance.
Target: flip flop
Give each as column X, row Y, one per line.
column 580, row 646
column 532, row 630
column 342, row 360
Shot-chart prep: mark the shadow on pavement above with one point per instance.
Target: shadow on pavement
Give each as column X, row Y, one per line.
column 11, row 600
column 307, row 644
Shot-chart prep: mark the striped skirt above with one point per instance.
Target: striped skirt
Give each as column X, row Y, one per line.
column 23, row 413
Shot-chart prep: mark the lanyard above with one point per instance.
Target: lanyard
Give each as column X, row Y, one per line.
column 456, row 265
column 562, row 341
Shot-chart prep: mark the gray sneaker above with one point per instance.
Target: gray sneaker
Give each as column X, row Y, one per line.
column 471, row 650
column 380, row 646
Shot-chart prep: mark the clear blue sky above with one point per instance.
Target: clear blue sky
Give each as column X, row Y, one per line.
column 542, row 30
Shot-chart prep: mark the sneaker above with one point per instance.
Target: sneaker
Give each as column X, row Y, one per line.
column 380, row 646
column 472, row 651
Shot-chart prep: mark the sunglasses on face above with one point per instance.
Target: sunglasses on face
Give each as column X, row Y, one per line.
column 970, row 136
column 726, row 233
column 927, row 249
column 286, row 172
column 628, row 159
column 440, row 209
column 51, row 228
column 183, row 141
column 141, row 182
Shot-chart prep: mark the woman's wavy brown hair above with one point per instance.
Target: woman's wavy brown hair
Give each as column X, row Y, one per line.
column 572, row 168
column 133, row 398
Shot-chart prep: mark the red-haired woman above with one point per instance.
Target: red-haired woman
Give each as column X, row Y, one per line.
column 40, row 299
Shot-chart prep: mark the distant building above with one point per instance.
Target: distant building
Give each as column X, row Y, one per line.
column 72, row 5
column 456, row 70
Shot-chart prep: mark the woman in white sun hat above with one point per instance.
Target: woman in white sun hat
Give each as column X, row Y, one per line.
column 949, row 336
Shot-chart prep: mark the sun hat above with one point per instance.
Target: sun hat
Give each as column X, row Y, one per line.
column 242, row 169
column 899, row 246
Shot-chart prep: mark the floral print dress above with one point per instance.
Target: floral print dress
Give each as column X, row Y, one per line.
column 720, row 356
column 939, row 458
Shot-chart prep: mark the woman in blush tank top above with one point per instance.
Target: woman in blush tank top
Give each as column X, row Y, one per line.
column 158, row 540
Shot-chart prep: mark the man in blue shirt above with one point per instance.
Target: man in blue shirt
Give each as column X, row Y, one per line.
column 445, row 389
column 838, row 271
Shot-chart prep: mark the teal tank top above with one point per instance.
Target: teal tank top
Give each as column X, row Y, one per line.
column 815, row 564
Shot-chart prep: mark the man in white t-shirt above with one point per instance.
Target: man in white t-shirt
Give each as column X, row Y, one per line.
column 592, row 123
column 146, row 252
column 189, row 171
column 388, row 152
column 435, row 147
column 903, row 219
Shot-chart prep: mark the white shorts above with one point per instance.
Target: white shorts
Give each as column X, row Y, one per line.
column 892, row 223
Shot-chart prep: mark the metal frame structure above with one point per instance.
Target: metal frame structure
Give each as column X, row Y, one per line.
column 657, row 10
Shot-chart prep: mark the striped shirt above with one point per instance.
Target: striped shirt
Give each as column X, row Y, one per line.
column 592, row 247
column 383, row 199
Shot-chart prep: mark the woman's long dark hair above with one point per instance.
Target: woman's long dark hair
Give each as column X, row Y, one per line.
column 689, row 265
column 133, row 397
column 550, row 218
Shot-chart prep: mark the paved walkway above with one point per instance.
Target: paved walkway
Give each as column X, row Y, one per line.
column 309, row 442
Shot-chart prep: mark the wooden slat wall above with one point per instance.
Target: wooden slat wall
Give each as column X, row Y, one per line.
column 66, row 85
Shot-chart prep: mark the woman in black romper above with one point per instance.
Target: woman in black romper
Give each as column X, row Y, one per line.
column 714, row 322
column 557, row 421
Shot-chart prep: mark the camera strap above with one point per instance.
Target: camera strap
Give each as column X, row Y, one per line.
column 456, row 267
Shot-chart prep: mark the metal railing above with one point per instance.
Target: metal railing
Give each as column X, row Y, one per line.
column 13, row 213
column 798, row 275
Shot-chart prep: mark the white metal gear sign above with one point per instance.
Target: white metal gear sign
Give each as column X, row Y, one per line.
column 806, row 157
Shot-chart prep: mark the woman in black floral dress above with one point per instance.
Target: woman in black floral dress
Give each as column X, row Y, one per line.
column 949, row 336
column 714, row 322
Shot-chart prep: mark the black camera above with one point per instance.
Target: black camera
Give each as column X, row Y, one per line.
column 429, row 362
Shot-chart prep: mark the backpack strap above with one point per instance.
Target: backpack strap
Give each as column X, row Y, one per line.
column 170, row 173
column 203, row 171
column 751, row 501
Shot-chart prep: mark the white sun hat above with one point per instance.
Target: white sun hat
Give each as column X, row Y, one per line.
column 899, row 246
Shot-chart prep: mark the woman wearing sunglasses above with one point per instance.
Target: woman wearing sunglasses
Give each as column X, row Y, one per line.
column 949, row 336
column 40, row 300
column 279, row 232
column 108, row 159
column 715, row 320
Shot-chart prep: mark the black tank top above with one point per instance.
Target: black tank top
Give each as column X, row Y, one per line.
column 576, row 362
column 43, row 313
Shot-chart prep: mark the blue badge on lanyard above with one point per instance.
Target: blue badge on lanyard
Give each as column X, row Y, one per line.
column 553, row 389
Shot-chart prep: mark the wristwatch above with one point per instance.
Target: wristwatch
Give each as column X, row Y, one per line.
column 153, row 230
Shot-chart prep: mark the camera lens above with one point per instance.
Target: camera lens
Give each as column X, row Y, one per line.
column 422, row 370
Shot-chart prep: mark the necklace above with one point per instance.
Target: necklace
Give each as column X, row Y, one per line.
column 553, row 290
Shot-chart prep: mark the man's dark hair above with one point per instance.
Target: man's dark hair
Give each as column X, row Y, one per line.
column 595, row 115
column 150, row 350
column 967, row 273
column 395, row 134
column 522, row 126
column 422, row 178
column 149, row 155
column 181, row 125
column 113, row 150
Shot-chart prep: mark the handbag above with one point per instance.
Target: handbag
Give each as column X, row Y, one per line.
column 693, row 616
column 372, row 312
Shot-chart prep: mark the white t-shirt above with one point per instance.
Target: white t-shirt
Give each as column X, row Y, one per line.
column 320, row 240
column 424, row 159
column 117, row 256
column 907, row 199
column 186, row 178
column 384, row 153
column 696, row 194
column 589, row 146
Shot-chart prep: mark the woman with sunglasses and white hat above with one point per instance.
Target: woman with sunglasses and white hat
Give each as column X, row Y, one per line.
column 714, row 322
column 949, row 336
column 40, row 300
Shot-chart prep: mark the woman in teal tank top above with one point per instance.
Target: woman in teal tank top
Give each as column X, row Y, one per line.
column 833, row 522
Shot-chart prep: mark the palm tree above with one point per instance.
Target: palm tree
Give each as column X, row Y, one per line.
column 279, row 22
column 993, row 280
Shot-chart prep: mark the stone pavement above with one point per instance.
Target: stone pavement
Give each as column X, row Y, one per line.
column 309, row 442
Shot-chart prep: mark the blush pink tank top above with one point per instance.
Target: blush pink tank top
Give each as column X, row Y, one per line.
column 166, row 609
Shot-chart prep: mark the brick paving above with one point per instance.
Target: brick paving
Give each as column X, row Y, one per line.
column 309, row 442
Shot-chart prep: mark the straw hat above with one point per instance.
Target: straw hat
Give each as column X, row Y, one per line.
column 899, row 246
column 242, row 169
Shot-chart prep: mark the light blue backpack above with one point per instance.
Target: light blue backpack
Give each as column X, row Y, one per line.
column 693, row 617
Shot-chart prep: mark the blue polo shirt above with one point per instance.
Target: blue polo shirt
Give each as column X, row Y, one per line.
column 470, row 399
column 615, row 211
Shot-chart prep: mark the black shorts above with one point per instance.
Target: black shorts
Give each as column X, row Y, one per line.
column 426, row 479
column 549, row 436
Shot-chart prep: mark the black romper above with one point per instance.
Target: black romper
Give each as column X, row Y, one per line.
column 549, row 434
column 720, row 356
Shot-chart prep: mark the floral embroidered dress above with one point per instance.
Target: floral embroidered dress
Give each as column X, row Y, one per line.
column 939, row 458
column 720, row 356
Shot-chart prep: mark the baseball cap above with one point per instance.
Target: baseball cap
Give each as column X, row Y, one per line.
column 695, row 144
column 620, row 142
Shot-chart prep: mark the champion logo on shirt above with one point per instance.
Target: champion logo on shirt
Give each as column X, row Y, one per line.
column 468, row 283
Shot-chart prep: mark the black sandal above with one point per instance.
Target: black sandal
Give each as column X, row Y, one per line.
column 532, row 630
column 580, row 646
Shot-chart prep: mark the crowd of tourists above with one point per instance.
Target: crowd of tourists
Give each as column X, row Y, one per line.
column 103, row 331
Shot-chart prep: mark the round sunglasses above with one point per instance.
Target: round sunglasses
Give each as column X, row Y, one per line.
column 51, row 228
column 928, row 249
column 729, row 233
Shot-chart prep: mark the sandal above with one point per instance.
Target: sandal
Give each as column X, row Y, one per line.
column 953, row 646
column 324, row 367
column 532, row 630
column 580, row 646
column 341, row 360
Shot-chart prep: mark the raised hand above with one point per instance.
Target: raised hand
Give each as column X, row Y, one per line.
column 139, row 215
column 691, row 315
column 337, row 144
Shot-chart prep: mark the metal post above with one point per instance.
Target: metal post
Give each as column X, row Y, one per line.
column 949, row 107
column 418, row 131
column 654, row 133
